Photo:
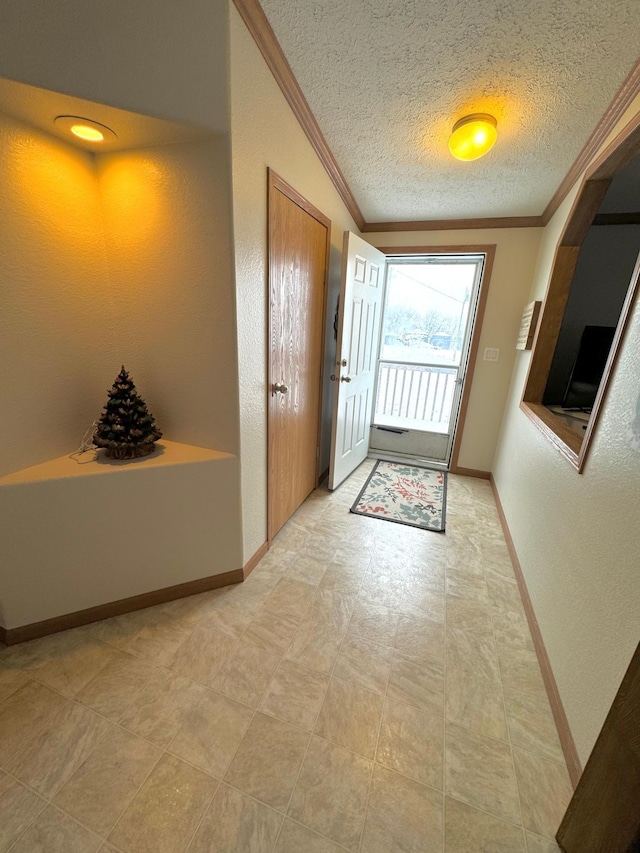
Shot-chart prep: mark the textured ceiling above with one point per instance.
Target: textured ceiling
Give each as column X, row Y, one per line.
column 387, row 79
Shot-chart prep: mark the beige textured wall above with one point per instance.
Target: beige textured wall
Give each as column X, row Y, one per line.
column 107, row 259
column 515, row 260
column 168, row 237
column 577, row 536
column 53, row 310
column 176, row 515
column 264, row 132
column 121, row 258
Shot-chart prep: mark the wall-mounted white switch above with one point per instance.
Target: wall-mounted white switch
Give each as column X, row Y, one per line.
column 491, row 354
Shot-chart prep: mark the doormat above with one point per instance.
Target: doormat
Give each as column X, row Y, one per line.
column 405, row 494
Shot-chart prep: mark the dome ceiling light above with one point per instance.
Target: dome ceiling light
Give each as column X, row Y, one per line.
column 472, row 136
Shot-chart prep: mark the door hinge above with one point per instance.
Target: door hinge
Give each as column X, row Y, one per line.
column 317, row 452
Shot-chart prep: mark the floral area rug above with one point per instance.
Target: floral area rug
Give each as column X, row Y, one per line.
column 405, row 494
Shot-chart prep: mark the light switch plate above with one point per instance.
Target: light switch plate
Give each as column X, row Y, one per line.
column 491, row 354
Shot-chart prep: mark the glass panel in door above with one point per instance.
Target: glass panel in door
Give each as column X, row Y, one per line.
column 430, row 303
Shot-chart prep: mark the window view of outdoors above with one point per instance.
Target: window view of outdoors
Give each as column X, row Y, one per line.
column 424, row 326
column 426, row 312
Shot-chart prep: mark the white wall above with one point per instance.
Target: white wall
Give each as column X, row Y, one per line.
column 515, row 259
column 54, row 349
column 60, row 329
column 265, row 133
column 163, row 58
column 167, row 213
column 577, row 536
column 111, row 259
column 155, row 293
column 176, row 514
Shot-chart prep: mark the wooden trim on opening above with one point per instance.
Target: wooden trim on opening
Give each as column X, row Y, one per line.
column 456, row 224
column 567, row 743
column 489, row 251
column 11, row 636
column 277, row 184
column 612, row 360
column 256, row 22
column 546, row 337
column 471, row 472
column 603, row 814
column 595, row 184
column 555, row 429
column 623, row 98
column 620, row 151
column 583, row 212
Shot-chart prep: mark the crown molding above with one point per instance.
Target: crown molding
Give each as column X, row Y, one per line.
column 456, row 224
column 258, row 25
column 622, row 100
column 256, row 22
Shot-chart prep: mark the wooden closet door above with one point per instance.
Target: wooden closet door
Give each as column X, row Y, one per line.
column 298, row 262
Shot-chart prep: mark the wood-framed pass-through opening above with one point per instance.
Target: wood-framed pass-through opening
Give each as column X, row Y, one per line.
column 561, row 424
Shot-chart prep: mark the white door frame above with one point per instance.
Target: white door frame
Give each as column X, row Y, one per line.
column 474, row 328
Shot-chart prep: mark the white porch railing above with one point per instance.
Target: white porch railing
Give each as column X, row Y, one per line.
column 415, row 396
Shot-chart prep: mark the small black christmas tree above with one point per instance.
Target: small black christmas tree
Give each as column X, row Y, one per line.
column 126, row 427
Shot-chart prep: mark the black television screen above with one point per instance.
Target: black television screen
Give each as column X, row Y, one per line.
column 588, row 367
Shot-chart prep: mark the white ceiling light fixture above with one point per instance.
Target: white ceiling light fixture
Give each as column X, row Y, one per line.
column 473, row 136
column 85, row 129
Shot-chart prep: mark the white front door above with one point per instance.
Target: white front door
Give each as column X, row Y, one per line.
column 363, row 270
column 430, row 308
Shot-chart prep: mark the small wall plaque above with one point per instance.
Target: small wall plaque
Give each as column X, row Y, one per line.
column 528, row 325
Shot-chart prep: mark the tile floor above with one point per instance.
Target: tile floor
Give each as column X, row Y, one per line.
column 370, row 687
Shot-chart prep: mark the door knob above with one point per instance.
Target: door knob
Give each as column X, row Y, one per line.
column 280, row 388
column 345, row 379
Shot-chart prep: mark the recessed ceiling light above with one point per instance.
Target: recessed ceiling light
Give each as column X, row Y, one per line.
column 472, row 136
column 89, row 134
column 86, row 129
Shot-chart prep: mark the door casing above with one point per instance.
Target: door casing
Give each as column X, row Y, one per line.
column 489, row 251
column 443, row 440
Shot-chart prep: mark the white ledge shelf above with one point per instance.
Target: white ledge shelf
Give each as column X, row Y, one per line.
column 93, row 463
column 72, row 538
